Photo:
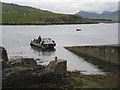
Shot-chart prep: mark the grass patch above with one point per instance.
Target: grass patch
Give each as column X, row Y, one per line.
column 79, row 80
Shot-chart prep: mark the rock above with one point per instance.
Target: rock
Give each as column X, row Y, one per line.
column 6, row 64
column 58, row 66
column 54, row 72
column 39, row 69
column 3, row 54
column 4, row 58
column 25, row 73
column 17, row 77
column 24, row 62
column 30, row 62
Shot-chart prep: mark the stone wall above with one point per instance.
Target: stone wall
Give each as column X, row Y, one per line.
column 109, row 53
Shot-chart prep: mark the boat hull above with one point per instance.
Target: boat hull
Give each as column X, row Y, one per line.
column 44, row 46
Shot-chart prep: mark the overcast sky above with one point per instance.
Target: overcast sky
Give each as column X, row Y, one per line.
column 69, row 6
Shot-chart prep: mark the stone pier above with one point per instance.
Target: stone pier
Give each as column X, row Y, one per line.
column 108, row 53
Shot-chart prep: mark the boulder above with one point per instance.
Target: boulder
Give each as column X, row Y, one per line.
column 3, row 54
column 29, row 62
column 25, row 73
column 24, row 62
column 55, row 71
column 6, row 64
column 17, row 77
column 58, row 66
column 4, row 58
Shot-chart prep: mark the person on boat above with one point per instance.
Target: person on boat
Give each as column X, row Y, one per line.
column 39, row 38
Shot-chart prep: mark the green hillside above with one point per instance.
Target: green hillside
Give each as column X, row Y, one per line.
column 16, row 13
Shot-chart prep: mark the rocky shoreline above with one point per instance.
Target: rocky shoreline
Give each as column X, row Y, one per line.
column 25, row 73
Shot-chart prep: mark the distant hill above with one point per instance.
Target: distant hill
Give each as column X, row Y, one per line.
column 104, row 15
column 12, row 13
column 14, row 8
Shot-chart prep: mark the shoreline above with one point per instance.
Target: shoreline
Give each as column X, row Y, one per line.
column 31, row 23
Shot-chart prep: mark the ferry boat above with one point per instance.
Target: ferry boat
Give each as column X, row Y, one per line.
column 43, row 43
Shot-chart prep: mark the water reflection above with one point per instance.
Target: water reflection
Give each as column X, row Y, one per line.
column 45, row 52
column 105, row 66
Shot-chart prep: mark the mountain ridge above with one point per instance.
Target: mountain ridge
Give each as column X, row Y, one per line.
column 112, row 15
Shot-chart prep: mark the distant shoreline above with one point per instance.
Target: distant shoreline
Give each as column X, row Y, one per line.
column 32, row 23
column 27, row 23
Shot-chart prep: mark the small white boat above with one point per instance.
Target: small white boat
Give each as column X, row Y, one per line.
column 44, row 43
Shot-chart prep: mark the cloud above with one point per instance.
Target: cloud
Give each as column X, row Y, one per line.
column 99, row 7
column 70, row 6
